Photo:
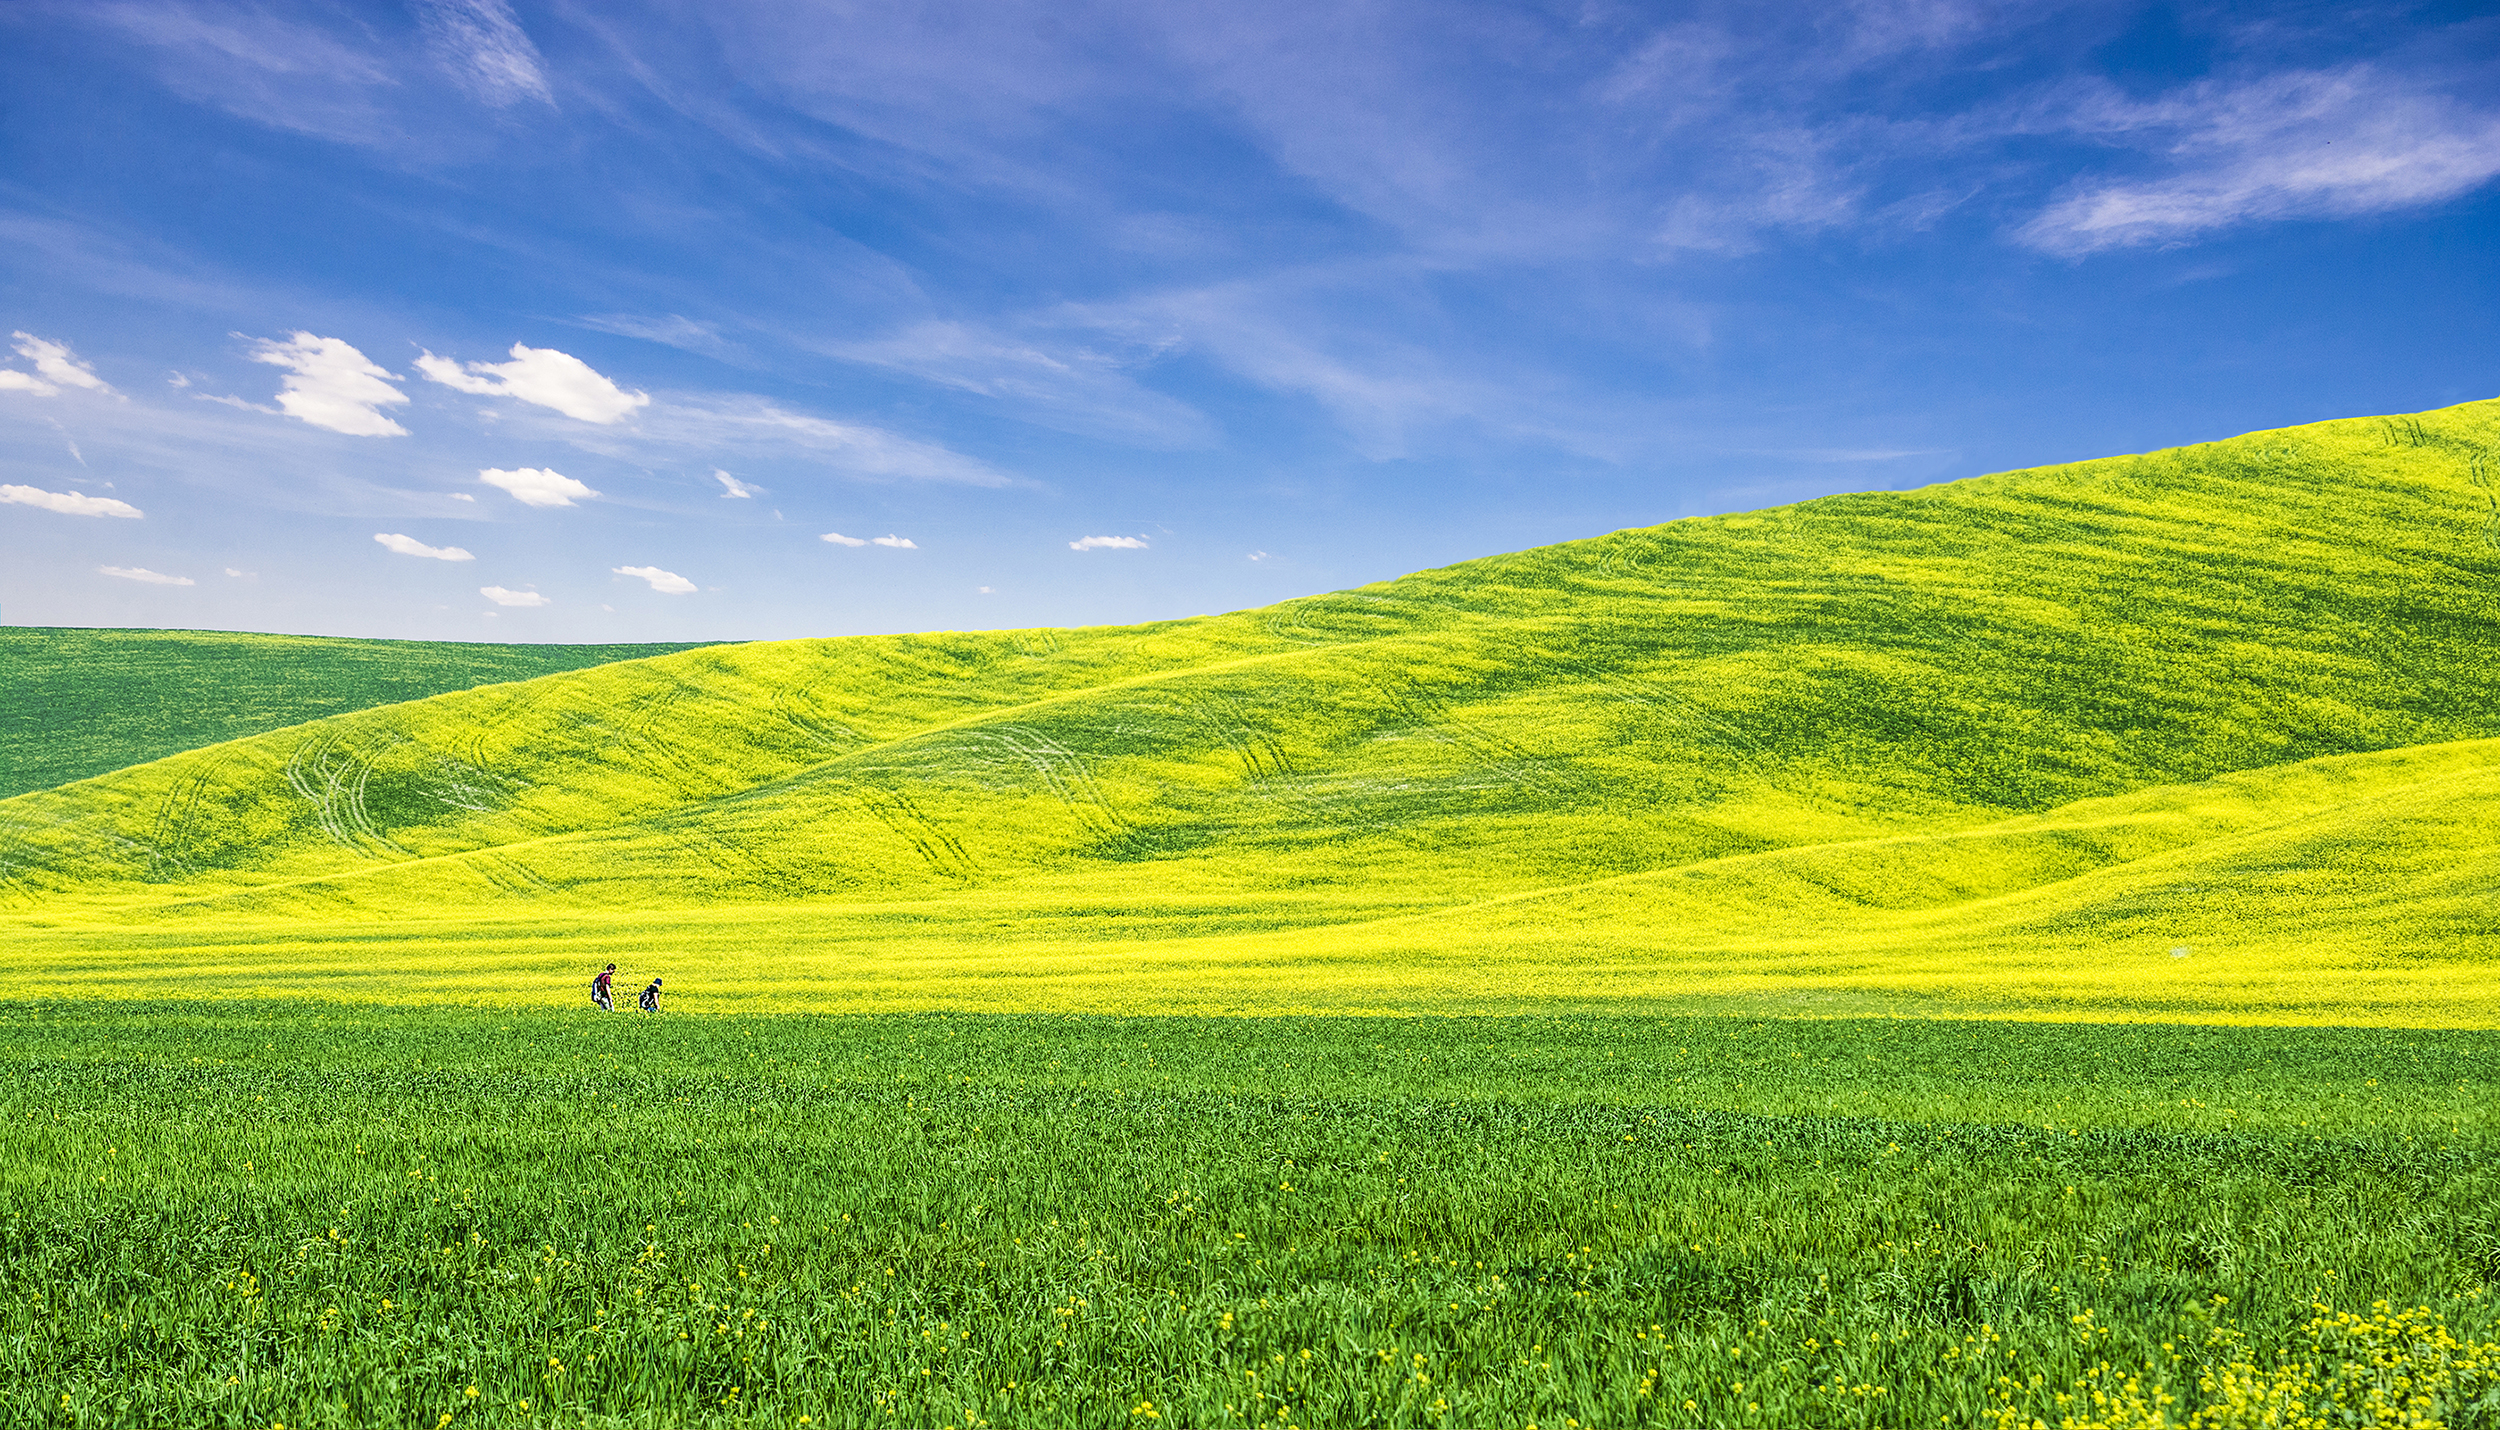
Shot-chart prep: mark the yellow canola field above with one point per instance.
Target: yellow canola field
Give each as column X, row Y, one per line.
column 2352, row 890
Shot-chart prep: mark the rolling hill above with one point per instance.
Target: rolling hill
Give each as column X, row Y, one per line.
column 78, row 703
column 2206, row 732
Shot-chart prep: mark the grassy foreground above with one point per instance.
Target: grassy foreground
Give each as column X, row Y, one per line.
column 246, row 1214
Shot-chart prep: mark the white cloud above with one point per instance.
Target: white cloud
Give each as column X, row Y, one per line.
column 735, row 488
column 542, row 376
column 1258, row 556
column 486, row 49
column 2319, row 144
column 233, row 572
column 410, row 546
column 462, row 496
column 502, row 597
column 667, row 583
column 143, row 574
column 330, row 384
column 536, row 486
column 984, row 590
column 56, row 364
column 903, row 543
column 11, row 380
column 838, row 539
column 1117, row 543
column 67, row 503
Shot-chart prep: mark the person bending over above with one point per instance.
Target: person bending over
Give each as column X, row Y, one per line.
column 651, row 997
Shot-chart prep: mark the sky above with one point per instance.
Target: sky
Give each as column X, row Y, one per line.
column 642, row 320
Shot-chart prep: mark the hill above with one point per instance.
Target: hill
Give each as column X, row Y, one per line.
column 2002, row 743
column 77, row 703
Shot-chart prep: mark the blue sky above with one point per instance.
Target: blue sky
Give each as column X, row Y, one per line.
column 608, row 320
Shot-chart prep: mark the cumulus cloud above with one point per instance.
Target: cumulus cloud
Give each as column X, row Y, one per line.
column 486, row 49
column 56, row 367
column 1117, row 543
column 536, row 486
column 667, row 583
column 542, row 376
column 502, row 597
column 900, row 542
column 68, row 503
column 2317, row 144
column 838, row 539
column 410, row 546
column 734, row 487
column 143, row 574
column 330, row 384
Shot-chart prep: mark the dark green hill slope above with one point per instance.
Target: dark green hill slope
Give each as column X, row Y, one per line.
column 76, row 703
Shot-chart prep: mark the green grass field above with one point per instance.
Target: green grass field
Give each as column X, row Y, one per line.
column 321, row 1214
column 79, row 703
column 2019, row 953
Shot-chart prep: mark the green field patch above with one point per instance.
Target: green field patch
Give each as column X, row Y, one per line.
column 78, row 703
column 334, row 1214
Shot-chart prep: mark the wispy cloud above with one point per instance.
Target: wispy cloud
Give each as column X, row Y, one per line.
column 667, row 583
column 56, row 367
column 330, row 384
column 551, row 379
column 838, row 539
column 902, row 543
column 536, row 486
column 1115, row 543
column 2315, row 144
column 485, row 49
column 410, row 546
column 68, row 503
column 144, row 576
column 732, row 488
column 1051, row 381
column 668, row 329
column 502, row 597
column 259, row 66
column 718, row 422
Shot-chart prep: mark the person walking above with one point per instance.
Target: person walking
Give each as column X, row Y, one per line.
column 651, row 997
column 601, row 993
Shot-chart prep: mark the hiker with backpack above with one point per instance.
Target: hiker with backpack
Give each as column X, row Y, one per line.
column 651, row 997
column 600, row 993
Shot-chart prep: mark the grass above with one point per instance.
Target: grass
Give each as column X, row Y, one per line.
column 245, row 1214
column 78, row 703
column 1999, row 747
